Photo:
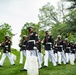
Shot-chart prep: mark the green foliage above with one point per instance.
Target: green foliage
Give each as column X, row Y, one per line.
column 5, row 29
column 41, row 34
column 72, row 37
column 71, row 21
column 24, row 30
column 47, row 16
column 73, row 4
column 63, row 29
column 57, row 29
column 68, row 28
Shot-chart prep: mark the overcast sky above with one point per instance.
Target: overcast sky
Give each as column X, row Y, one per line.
column 17, row 12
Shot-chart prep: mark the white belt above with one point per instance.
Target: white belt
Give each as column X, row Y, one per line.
column 6, row 51
column 48, row 43
column 60, row 45
column 32, row 41
column 68, row 47
column 0, row 44
column 74, row 49
column 24, row 45
column 6, row 46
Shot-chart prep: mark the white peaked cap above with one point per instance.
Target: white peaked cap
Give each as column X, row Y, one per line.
column 59, row 36
column 66, row 38
column 24, row 35
column 71, row 41
column 7, row 35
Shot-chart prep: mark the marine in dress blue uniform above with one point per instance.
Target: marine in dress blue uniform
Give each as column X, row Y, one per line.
column 66, row 48
column 31, row 46
column 6, row 50
column 23, row 46
column 60, row 48
column 48, row 46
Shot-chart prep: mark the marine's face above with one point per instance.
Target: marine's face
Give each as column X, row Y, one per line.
column 47, row 33
column 7, row 37
column 24, row 37
column 59, row 37
column 31, row 30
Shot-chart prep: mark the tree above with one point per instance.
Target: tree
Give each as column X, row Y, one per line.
column 59, row 28
column 47, row 16
column 61, row 10
column 71, row 21
column 68, row 27
column 5, row 29
column 73, row 4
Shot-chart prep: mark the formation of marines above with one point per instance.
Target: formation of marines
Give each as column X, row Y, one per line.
column 58, row 51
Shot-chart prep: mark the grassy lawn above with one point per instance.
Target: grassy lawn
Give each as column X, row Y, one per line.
column 7, row 69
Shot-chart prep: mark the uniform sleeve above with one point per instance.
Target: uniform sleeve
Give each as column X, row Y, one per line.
column 36, row 36
column 44, row 41
column 9, row 43
column 20, row 45
column 52, row 42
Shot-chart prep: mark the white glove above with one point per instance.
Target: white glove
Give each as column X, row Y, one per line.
column 0, row 44
column 35, row 48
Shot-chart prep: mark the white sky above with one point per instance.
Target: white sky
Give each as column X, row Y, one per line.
column 18, row 12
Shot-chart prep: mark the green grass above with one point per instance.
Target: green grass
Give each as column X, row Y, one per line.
column 7, row 69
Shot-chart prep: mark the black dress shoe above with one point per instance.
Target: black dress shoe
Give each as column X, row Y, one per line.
column 40, row 67
column 67, row 63
column 13, row 64
column 23, row 70
column 45, row 66
column 0, row 65
column 59, row 64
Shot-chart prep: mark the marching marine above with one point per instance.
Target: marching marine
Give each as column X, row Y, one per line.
column 39, row 54
column 31, row 47
column 23, row 46
column 66, row 48
column 7, row 49
column 72, row 53
column 60, row 49
column 55, row 48
column 48, row 45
